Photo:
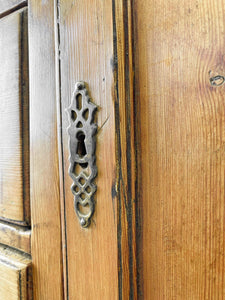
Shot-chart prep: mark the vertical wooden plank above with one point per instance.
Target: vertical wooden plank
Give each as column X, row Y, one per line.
column 181, row 121
column 45, row 201
column 86, row 53
column 126, row 156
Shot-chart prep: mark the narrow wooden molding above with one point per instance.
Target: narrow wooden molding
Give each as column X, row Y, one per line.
column 86, row 52
column 58, row 78
column 15, row 236
column 126, row 162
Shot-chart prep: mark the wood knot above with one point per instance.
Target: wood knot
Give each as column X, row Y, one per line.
column 217, row 80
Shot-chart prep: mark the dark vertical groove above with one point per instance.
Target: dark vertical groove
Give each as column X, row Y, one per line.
column 20, row 285
column 21, row 104
column 29, row 283
column 129, row 213
column 127, row 194
column 118, row 154
column 24, row 111
column 137, row 117
column 61, row 142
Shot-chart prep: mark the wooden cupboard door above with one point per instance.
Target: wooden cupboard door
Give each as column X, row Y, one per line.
column 15, row 275
column 69, row 42
column 14, row 142
column 179, row 80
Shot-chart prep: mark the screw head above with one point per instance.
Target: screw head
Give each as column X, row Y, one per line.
column 80, row 85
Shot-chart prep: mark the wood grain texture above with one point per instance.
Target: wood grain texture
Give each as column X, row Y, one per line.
column 15, row 281
column 15, row 236
column 14, row 142
column 86, row 53
column 125, row 148
column 45, row 200
column 8, row 6
column 181, row 122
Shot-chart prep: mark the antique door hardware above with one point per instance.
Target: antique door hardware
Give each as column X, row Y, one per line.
column 82, row 144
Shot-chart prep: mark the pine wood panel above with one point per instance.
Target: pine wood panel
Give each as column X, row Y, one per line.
column 86, row 53
column 181, row 129
column 45, row 201
column 14, row 144
column 15, row 280
column 15, row 236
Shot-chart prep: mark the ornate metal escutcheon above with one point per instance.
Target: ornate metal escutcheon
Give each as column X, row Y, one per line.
column 82, row 169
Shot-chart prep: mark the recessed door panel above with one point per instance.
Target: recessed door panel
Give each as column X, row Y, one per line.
column 15, row 271
column 14, row 144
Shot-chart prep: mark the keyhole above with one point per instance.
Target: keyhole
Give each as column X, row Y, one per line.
column 79, row 101
column 81, row 149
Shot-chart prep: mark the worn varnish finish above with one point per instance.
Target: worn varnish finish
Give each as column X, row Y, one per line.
column 86, row 52
column 125, row 149
column 15, row 275
column 14, row 143
column 15, row 236
column 179, row 46
column 45, row 201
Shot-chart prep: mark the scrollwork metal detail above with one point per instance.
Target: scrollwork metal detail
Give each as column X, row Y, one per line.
column 82, row 144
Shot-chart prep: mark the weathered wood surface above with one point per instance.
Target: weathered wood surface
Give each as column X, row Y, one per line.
column 179, row 47
column 15, row 236
column 14, row 142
